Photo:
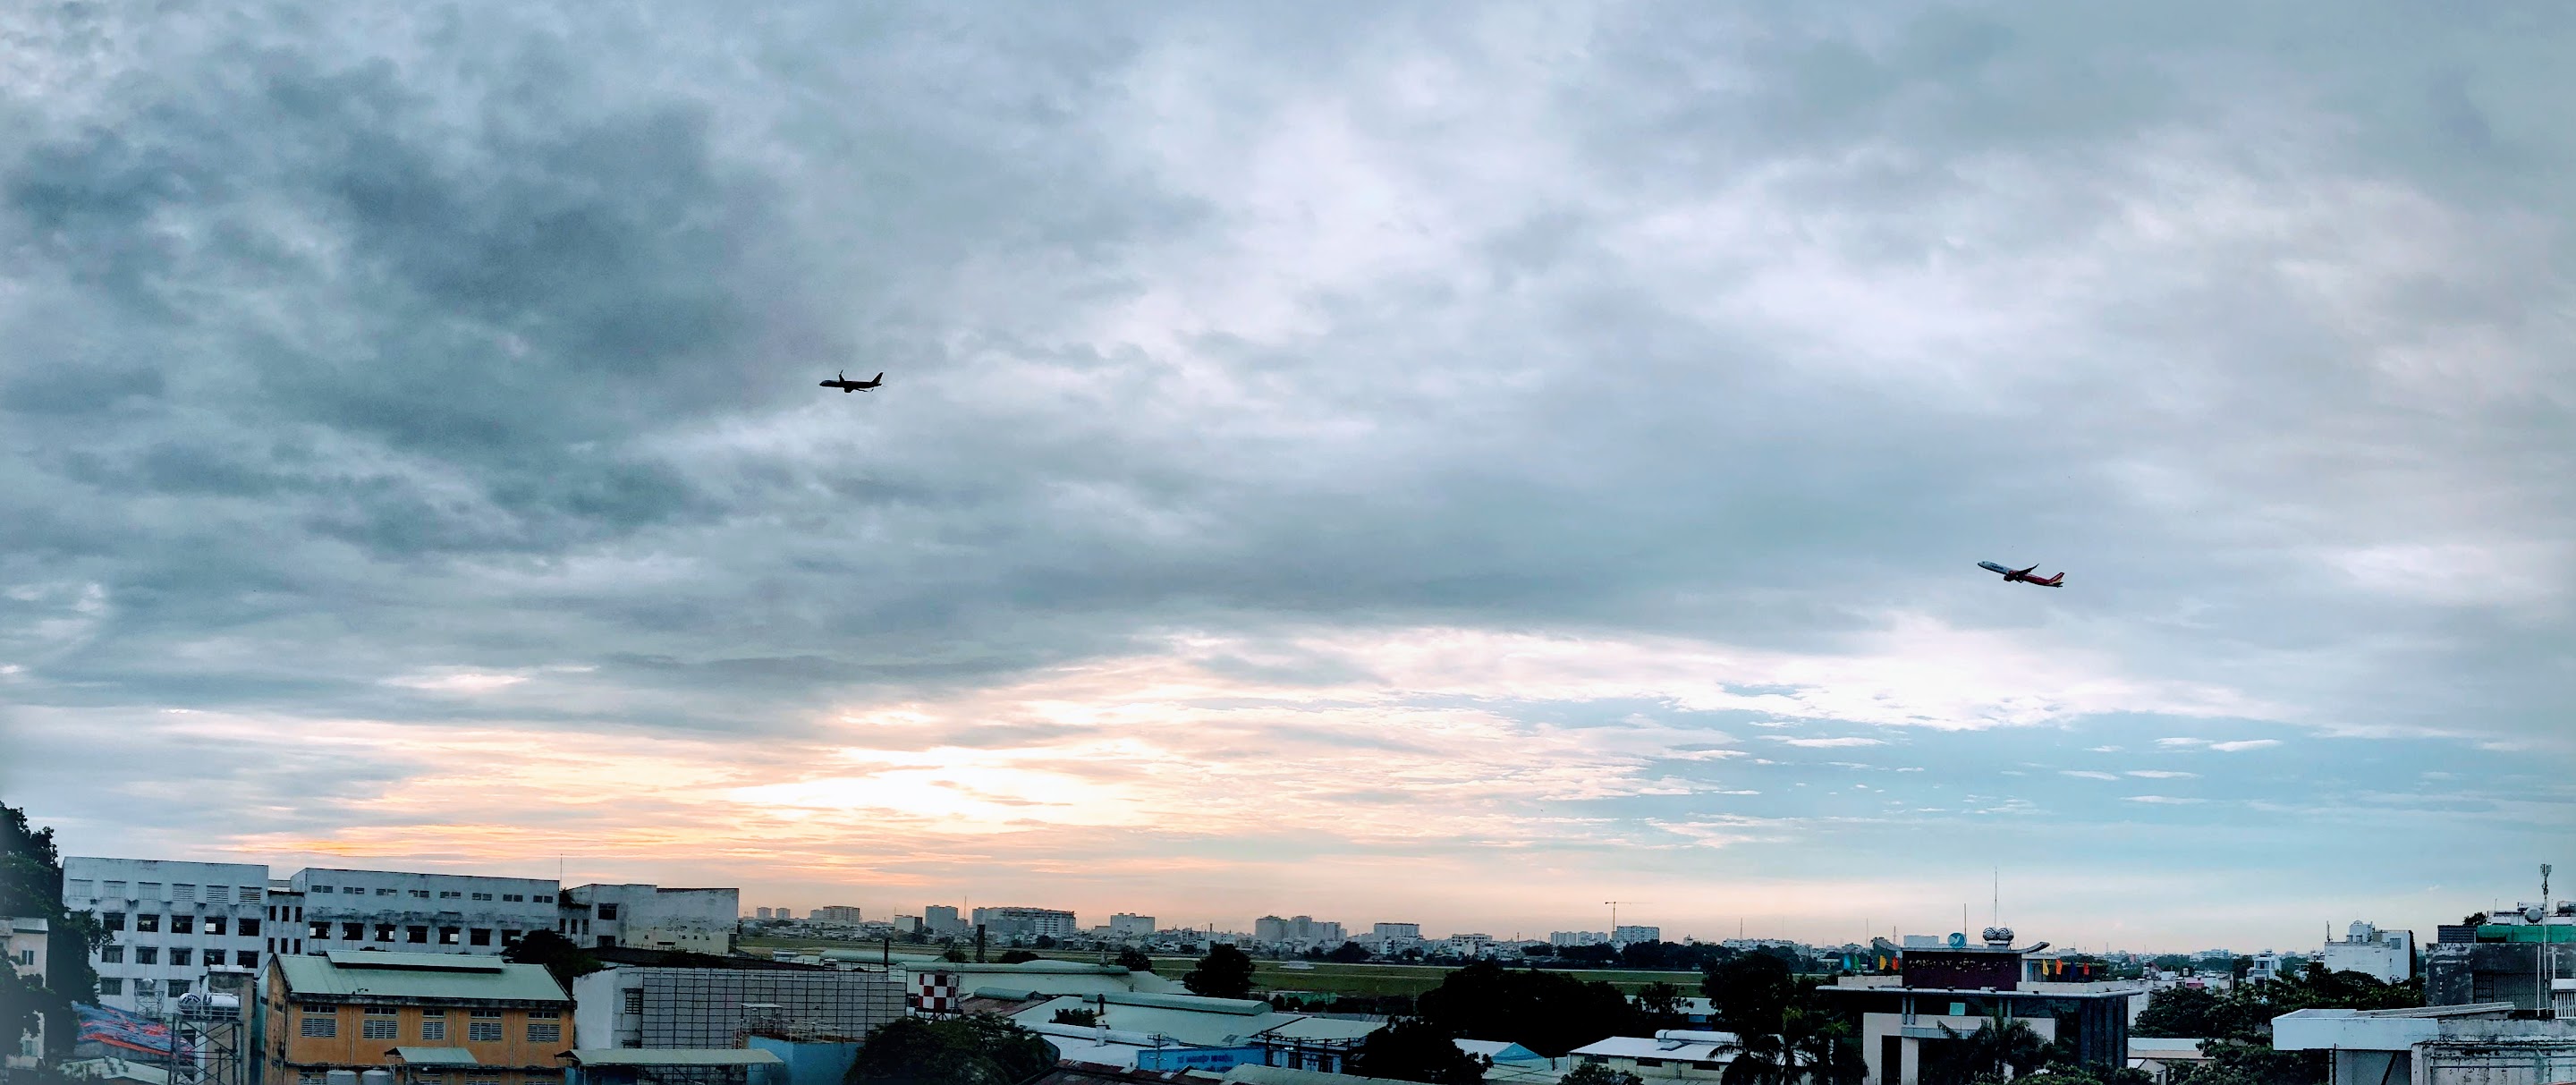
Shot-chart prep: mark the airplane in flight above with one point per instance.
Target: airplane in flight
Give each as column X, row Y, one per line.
column 844, row 383
column 2024, row 576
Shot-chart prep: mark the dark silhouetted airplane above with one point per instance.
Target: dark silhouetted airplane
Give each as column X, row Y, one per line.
column 2024, row 576
column 843, row 382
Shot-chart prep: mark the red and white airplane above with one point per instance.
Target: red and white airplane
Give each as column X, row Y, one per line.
column 2024, row 576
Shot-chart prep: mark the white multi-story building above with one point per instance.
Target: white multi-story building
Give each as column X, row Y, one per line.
column 1577, row 938
column 2388, row 956
column 847, row 915
column 942, row 919
column 168, row 922
column 422, row 913
column 1126, row 925
column 651, row 917
column 1025, row 922
column 1629, row 934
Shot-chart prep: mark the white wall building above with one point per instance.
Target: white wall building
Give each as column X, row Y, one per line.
column 1629, row 934
column 2388, row 956
column 169, row 921
column 651, row 917
column 1126, row 925
column 422, row 913
column 1577, row 938
column 2433, row 1045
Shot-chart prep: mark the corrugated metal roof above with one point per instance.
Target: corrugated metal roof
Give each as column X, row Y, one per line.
column 673, row 1056
column 428, row 976
column 1198, row 1026
column 1325, row 1028
column 1250, row 1074
column 1642, row 1047
column 436, row 1056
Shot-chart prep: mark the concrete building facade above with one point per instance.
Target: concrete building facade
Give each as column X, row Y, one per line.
column 654, row 1007
column 942, row 919
column 651, row 917
column 1128, row 925
column 2388, row 956
column 2434, row 1045
column 1627, row 934
column 168, row 922
column 845, row 914
column 404, row 912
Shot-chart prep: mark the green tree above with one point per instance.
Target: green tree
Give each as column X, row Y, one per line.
column 1016, row 956
column 1548, row 1012
column 2178, row 1011
column 1415, row 1049
column 1594, row 1073
column 563, row 958
column 31, row 885
column 1135, row 960
column 1073, row 1016
column 2000, row 1043
column 1662, row 1005
column 954, row 956
column 975, row 1050
column 1788, row 1032
column 1226, row 972
column 1348, row 953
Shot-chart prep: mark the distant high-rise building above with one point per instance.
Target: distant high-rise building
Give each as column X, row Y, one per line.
column 1397, row 930
column 1125, row 925
column 1630, row 934
column 760, row 913
column 1025, row 922
column 942, row 919
column 1576, row 938
column 845, row 914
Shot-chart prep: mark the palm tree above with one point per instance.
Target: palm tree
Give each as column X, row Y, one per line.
column 2002, row 1042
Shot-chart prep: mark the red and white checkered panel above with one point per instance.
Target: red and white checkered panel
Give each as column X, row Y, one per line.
column 935, row 992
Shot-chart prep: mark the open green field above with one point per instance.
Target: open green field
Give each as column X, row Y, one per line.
column 1326, row 978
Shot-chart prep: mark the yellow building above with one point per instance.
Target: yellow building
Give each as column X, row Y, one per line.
column 456, row 1020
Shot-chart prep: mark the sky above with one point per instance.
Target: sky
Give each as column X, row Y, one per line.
column 1451, row 463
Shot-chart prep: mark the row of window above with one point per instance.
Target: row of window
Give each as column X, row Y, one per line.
column 153, row 922
column 482, row 1026
column 443, row 894
column 321, row 930
column 181, row 956
column 112, row 985
column 183, row 892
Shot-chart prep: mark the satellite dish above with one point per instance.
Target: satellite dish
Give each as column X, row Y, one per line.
column 1958, row 940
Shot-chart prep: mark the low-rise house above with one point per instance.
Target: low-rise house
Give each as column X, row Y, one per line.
column 1683, row 1054
column 482, row 1020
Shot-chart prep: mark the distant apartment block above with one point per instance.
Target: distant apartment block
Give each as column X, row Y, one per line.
column 1025, row 922
column 2388, row 956
column 1576, row 938
column 1296, row 930
column 1126, row 925
column 845, row 914
column 942, row 919
column 1628, row 934
column 169, row 922
column 652, row 917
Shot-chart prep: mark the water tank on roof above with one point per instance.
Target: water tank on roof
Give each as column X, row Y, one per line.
column 376, row 1077
column 340, row 1077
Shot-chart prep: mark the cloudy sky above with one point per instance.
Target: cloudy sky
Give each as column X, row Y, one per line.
column 1458, row 463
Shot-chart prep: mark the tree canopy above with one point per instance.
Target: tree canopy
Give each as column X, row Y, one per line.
column 1548, row 1012
column 1226, row 972
column 2244, row 1014
column 31, row 885
column 563, row 958
column 1135, row 960
column 1415, row 1049
column 1788, row 1032
column 977, row 1050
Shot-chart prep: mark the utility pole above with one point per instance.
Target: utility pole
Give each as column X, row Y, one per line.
column 1614, row 918
column 2540, row 950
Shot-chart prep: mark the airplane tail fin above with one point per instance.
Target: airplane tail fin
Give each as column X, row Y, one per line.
column 880, row 377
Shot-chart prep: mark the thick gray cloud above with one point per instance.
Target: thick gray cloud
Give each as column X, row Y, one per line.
column 455, row 369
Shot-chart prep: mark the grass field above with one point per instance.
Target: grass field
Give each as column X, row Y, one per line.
column 1326, row 978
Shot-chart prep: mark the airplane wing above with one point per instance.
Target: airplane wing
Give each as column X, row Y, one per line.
column 2026, row 572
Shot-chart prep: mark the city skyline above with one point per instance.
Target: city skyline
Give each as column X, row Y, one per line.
column 1464, row 464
